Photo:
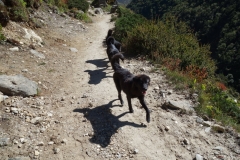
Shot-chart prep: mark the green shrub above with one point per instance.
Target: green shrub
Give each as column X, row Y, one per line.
column 126, row 22
column 84, row 17
column 160, row 40
column 19, row 12
column 219, row 105
column 79, row 4
column 2, row 37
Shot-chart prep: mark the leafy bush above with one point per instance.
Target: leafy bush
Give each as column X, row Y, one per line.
column 220, row 105
column 2, row 37
column 126, row 22
column 84, row 17
column 33, row 3
column 18, row 11
column 162, row 40
column 79, row 4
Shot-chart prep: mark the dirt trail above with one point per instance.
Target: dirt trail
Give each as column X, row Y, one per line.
column 83, row 118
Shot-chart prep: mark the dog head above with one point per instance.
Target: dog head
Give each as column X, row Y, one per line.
column 141, row 82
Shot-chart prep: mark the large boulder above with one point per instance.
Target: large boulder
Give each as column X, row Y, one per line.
column 17, row 85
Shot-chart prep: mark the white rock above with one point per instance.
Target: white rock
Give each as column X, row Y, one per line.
column 56, row 150
column 199, row 157
column 14, row 49
column 73, row 50
column 135, row 151
column 50, row 143
column 36, row 153
column 25, row 70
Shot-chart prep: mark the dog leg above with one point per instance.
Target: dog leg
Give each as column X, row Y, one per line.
column 141, row 99
column 118, row 86
column 130, row 104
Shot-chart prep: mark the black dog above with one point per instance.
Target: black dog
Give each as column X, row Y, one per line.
column 110, row 32
column 132, row 86
column 115, row 42
column 111, row 48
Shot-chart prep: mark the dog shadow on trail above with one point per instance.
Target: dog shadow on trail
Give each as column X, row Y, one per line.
column 104, row 124
column 97, row 75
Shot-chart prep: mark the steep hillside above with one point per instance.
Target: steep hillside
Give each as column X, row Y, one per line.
column 214, row 23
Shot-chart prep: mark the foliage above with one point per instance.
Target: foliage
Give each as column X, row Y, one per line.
column 213, row 22
column 79, row 4
column 172, row 40
column 2, row 37
column 126, row 22
column 220, row 105
column 95, row 3
column 33, row 3
column 19, row 12
column 84, row 17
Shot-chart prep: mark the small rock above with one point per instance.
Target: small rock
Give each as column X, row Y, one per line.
column 207, row 123
column 64, row 141
column 167, row 128
column 36, row 120
column 25, row 70
column 218, row 128
column 56, row 150
column 14, row 110
column 23, row 140
column 156, row 88
column 4, row 142
column 135, row 151
column 208, row 130
column 36, row 153
column 218, row 148
column 14, row 49
column 73, row 50
column 199, row 157
column 50, row 143
column 199, row 120
column 40, row 144
column 186, row 141
column 15, row 141
column 42, row 130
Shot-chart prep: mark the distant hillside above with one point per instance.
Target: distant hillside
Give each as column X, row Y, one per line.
column 215, row 23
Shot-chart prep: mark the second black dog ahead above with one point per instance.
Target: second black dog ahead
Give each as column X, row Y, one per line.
column 111, row 39
column 133, row 86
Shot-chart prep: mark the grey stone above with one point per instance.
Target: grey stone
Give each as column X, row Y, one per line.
column 56, row 150
column 73, row 50
column 218, row 128
column 17, row 85
column 207, row 123
column 4, row 142
column 36, row 120
column 218, row 148
column 199, row 120
column 208, row 130
column 37, row 54
column 98, row 11
column 176, row 105
column 199, row 157
column 14, row 49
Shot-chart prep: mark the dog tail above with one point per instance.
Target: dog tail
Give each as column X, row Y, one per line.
column 115, row 61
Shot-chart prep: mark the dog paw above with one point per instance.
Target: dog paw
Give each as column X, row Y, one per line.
column 148, row 119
